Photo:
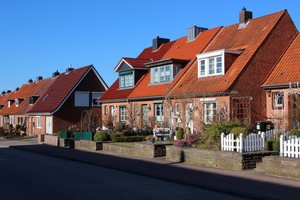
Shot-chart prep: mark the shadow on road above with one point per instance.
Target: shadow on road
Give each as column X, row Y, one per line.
column 238, row 186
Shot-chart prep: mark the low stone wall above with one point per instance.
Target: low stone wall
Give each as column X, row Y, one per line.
column 216, row 159
column 138, row 149
column 51, row 140
column 280, row 166
column 88, row 145
column 66, row 143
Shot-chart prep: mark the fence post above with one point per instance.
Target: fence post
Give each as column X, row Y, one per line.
column 263, row 140
column 281, row 146
column 241, row 143
column 222, row 141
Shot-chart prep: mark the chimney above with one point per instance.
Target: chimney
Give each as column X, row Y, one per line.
column 70, row 68
column 30, row 81
column 39, row 78
column 17, row 88
column 245, row 15
column 157, row 42
column 3, row 92
column 54, row 74
column 194, row 31
column 8, row 91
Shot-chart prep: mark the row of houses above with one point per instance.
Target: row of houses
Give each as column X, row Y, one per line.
column 53, row 104
column 226, row 72
column 247, row 71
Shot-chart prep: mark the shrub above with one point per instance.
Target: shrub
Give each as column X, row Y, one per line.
column 126, row 133
column 101, row 136
column 294, row 132
column 179, row 133
column 238, row 130
column 114, row 136
column 180, row 143
column 150, row 138
column 268, row 146
column 130, row 139
column 119, row 126
column 276, row 146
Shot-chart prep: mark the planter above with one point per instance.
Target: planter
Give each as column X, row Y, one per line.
column 88, row 145
column 51, row 140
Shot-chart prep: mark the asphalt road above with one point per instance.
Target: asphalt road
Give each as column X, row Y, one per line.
column 25, row 175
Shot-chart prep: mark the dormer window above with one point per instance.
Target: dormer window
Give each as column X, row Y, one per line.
column 10, row 103
column 33, row 99
column 17, row 102
column 161, row 74
column 213, row 63
column 126, row 80
column 1, row 106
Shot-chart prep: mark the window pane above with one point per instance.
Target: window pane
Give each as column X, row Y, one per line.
column 219, row 64
column 211, row 66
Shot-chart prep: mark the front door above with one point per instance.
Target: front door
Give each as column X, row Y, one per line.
column 49, row 125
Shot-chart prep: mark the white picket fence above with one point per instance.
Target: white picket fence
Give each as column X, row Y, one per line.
column 251, row 142
column 290, row 146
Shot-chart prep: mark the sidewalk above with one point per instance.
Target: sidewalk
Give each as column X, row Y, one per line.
column 247, row 184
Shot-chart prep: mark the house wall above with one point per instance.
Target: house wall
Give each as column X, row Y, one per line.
column 32, row 128
column 248, row 83
column 69, row 116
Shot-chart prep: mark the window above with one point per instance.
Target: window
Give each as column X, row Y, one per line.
column 12, row 120
column 33, row 99
column 38, row 122
column 126, row 81
column 96, row 98
column 211, row 66
column 20, row 121
column 145, row 113
column 209, row 112
column 105, row 110
column 17, row 102
column 136, row 109
column 123, row 113
column 278, row 100
column 162, row 74
column 112, row 112
column 82, row 99
column 178, row 112
column 159, row 112
column 10, row 103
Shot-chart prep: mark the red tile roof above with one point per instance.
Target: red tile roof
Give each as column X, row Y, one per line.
column 114, row 93
column 230, row 37
column 287, row 69
column 181, row 49
column 55, row 95
column 24, row 93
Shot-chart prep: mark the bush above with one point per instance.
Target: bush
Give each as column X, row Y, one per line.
column 150, row 138
column 179, row 133
column 211, row 133
column 276, row 146
column 238, row 130
column 101, row 136
column 130, row 139
column 294, row 132
column 180, row 143
column 119, row 126
column 268, row 146
column 114, row 136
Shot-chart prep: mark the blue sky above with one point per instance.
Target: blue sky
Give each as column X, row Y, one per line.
column 40, row 37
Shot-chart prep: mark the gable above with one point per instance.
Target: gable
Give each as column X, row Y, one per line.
column 124, row 67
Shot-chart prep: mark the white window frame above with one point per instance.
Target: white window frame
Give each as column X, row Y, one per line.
column 178, row 112
column 204, row 60
column 145, row 113
column 159, row 108
column 9, row 103
column 122, row 113
column 12, row 120
column 160, row 74
column 126, row 81
column 38, row 122
column 79, row 101
column 208, row 106
column 17, row 102
column 96, row 99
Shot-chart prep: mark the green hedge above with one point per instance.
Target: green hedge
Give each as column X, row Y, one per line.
column 129, row 139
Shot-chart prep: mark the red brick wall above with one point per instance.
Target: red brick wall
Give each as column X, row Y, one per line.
column 261, row 65
column 68, row 115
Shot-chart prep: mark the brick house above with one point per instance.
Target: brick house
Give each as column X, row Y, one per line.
column 225, row 80
column 65, row 103
column 139, row 102
column 282, row 89
column 14, row 105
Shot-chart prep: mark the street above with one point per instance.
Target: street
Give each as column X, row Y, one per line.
column 26, row 175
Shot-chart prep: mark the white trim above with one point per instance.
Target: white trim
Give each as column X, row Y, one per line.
column 207, row 99
column 36, row 122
